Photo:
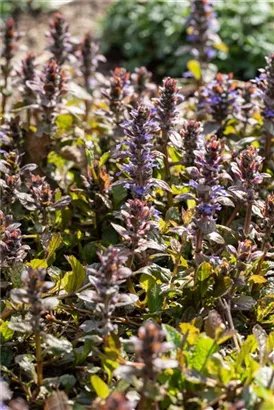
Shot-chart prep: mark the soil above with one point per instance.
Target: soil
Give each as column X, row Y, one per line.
column 82, row 15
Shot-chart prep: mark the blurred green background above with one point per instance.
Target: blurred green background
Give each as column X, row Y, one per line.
column 150, row 32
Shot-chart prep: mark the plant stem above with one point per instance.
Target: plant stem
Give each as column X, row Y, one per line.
column 4, row 98
column 267, row 149
column 199, row 242
column 167, row 175
column 226, row 306
column 129, row 281
column 39, row 361
column 28, row 118
column 233, row 215
column 248, row 216
column 87, row 110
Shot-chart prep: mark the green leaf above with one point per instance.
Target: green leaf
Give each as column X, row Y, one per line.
column 104, row 159
column 38, row 264
column 6, row 332
column 54, row 244
column 195, row 68
column 73, row 280
column 247, row 348
column 158, row 272
column 119, row 193
column 99, row 386
column 155, row 298
column 56, row 345
column 204, row 271
column 204, row 348
column 64, row 122
column 173, row 336
column 25, row 361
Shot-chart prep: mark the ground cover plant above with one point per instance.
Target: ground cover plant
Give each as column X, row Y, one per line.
column 136, row 230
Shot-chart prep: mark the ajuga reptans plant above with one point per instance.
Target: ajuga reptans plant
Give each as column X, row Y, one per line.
column 147, row 215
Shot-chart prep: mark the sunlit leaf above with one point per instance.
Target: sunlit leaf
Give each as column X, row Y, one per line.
column 99, row 386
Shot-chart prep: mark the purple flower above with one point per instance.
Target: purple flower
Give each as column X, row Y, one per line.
column 50, row 87
column 10, row 36
column 117, row 92
column 191, row 138
column 247, row 167
column 140, row 79
column 165, row 112
column 106, row 278
column 11, row 248
column 138, row 149
column 149, row 347
column 220, row 98
column 266, row 85
column 138, row 221
column 28, row 74
column 201, row 30
column 59, row 37
column 208, row 190
column 90, row 59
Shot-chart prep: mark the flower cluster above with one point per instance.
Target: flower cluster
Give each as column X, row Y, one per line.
column 28, row 74
column 138, row 222
column 140, row 79
column 220, row 98
column 165, row 108
column 266, row 84
column 191, row 139
column 50, row 87
column 106, row 279
column 11, row 177
column 148, row 347
column 247, row 170
column 11, row 132
column 209, row 192
column 11, row 248
column 117, row 92
column 268, row 221
column 59, row 37
column 34, row 285
column 139, row 131
column 89, row 60
column 202, row 27
column 248, row 92
column 43, row 196
column 41, row 191
column 10, row 37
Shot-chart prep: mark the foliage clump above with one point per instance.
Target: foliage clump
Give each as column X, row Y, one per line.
column 136, row 232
